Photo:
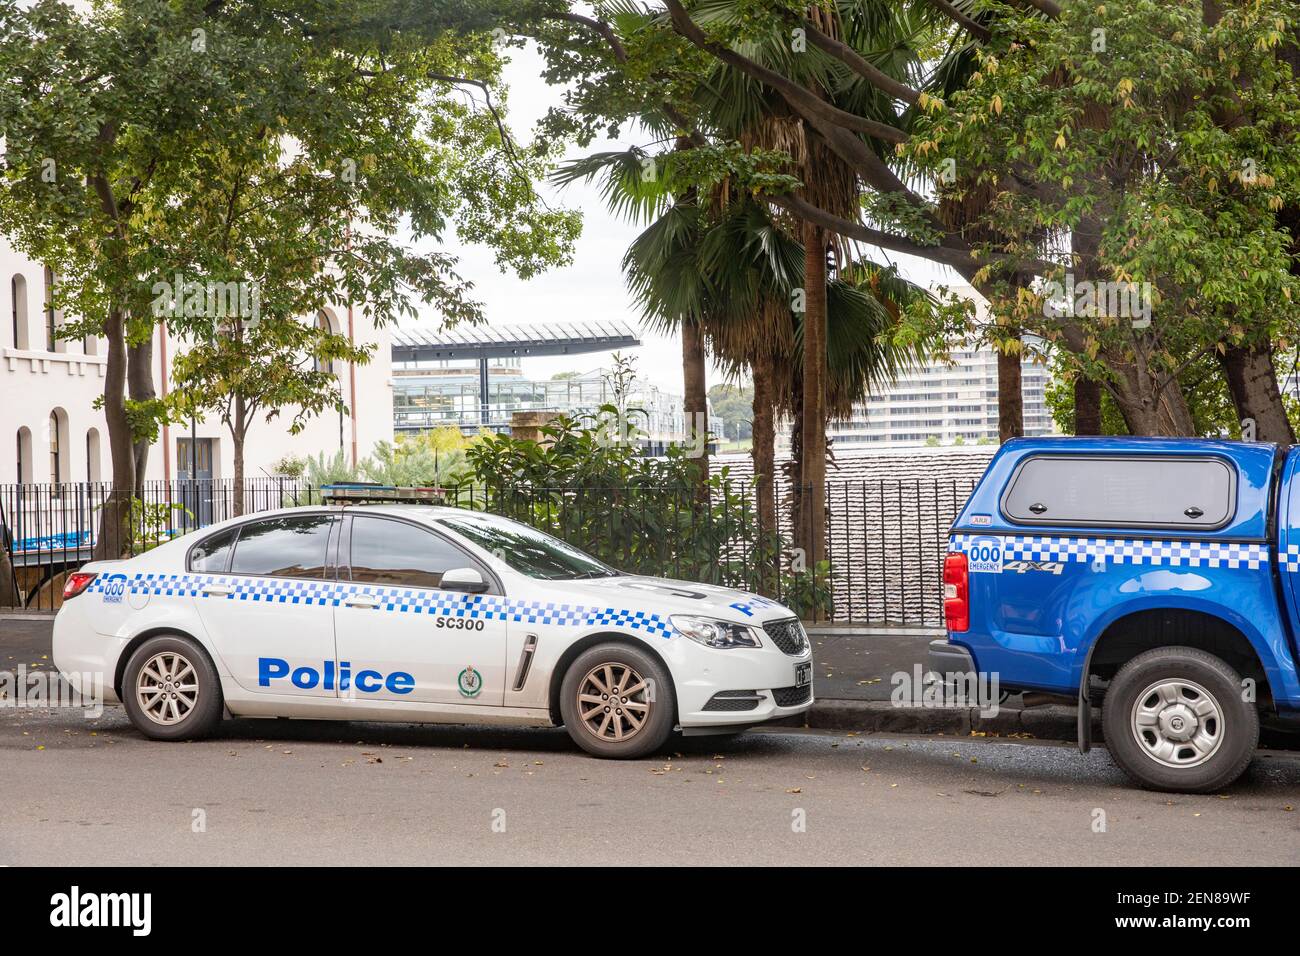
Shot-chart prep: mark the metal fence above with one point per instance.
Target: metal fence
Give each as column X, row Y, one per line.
column 885, row 539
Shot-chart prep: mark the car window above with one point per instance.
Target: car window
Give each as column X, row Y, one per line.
column 530, row 551
column 292, row 546
column 212, row 553
column 401, row 554
column 1142, row 492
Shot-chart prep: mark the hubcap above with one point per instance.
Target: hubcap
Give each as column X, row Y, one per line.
column 613, row 702
column 167, row 688
column 1177, row 723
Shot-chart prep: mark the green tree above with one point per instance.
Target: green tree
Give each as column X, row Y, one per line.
column 1150, row 141
column 268, row 369
column 1122, row 143
column 128, row 127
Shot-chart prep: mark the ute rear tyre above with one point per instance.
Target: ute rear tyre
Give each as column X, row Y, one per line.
column 170, row 689
column 1175, row 720
column 617, row 701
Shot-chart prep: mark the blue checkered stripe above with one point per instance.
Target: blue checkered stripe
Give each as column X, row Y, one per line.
column 400, row 600
column 1291, row 557
column 1185, row 554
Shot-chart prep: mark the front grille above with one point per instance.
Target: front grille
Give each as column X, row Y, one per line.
column 733, row 700
column 792, row 696
column 788, row 635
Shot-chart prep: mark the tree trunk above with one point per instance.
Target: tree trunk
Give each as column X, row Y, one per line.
column 1011, row 400
column 1148, row 410
column 1252, row 382
column 115, row 515
column 238, row 435
column 8, row 586
column 140, row 386
column 764, row 456
column 695, row 402
column 1087, row 406
column 814, row 395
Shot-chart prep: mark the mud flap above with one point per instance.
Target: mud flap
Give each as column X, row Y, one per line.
column 1085, row 718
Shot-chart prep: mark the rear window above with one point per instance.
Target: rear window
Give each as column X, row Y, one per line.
column 213, row 553
column 1139, row 492
column 288, row 547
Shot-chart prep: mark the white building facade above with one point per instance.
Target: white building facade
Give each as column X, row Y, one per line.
column 946, row 403
column 51, row 431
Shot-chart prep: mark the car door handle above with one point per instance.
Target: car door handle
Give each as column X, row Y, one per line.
column 217, row 590
column 362, row 600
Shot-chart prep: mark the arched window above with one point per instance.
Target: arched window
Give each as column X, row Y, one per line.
column 60, row 448
column 324, row 324
column 24, row 455
column 18, row 310
column 92, row 455
column 56, row 452
column 51, row 320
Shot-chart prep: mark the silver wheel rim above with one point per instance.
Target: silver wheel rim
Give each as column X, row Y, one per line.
column 1177, row 723
column 167, row 688
column 614, row 702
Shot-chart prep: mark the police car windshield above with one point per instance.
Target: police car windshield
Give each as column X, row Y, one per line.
column 530, row 551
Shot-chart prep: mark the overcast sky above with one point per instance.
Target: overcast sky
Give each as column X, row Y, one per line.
column 592, row 287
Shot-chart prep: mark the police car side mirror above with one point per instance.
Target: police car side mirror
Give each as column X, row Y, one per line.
column 464, row 579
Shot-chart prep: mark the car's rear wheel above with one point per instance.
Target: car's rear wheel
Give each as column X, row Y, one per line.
column 617, row 701
column 1175, row 719
column 171, row 690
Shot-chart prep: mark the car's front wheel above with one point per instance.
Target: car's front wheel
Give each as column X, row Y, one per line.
column 171, row 690
column 1176, row 719
column 617, row 701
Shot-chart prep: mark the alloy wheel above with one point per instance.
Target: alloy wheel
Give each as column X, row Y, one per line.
column 167, row 688
column 614, row 702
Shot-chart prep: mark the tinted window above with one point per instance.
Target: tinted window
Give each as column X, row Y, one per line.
column 211, row 554
column 1144, row 492
column 397, row 553
column 288, row 547
column 530, row 551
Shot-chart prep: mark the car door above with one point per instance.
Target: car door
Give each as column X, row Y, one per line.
column 448, row 646
column 264, row 591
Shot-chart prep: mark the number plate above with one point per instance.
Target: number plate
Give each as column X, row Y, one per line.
column 803, row 674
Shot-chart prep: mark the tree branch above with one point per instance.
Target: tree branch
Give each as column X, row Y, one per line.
column 850, row 57
column 962, row 259
column 599, row 26
column 976, row 30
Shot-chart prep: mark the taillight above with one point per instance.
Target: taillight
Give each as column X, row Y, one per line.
column 956, row 592
column 77, row 582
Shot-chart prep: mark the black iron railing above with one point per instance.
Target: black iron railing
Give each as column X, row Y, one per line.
column 885, row 539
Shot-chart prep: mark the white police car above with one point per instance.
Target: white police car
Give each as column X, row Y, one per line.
column 425, row 614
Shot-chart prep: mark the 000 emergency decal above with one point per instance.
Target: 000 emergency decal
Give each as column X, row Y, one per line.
column 984, row 555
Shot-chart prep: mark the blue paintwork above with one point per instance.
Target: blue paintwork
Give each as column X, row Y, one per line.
column 1035, row 628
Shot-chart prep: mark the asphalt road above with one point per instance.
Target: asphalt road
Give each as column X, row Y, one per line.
column 80, row 791
column 275, row 792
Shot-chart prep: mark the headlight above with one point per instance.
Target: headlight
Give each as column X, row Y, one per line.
column 711, row 633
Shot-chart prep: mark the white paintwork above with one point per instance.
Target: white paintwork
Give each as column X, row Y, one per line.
column 91, row 636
